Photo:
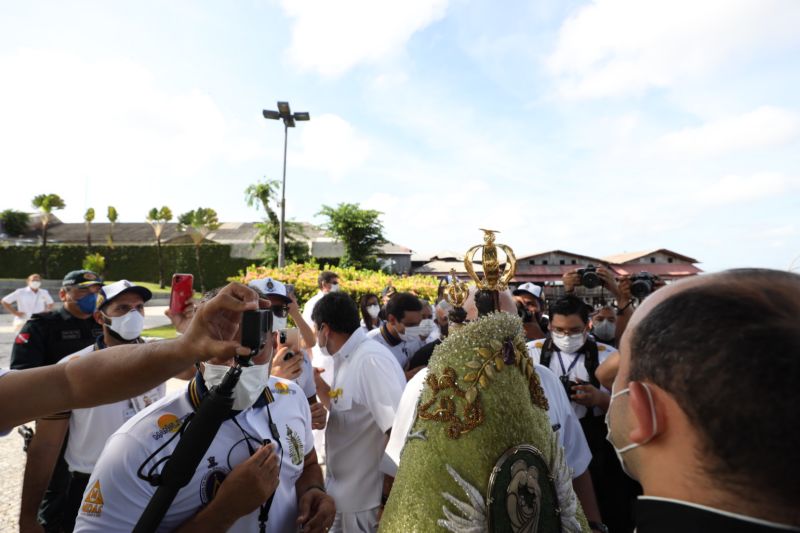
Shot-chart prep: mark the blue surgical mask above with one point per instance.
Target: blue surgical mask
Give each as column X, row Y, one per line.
column 88, row 303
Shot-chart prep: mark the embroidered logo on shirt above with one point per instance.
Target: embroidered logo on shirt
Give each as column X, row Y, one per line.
column 211, row 481
column 335, row 394
column 295, row 446
column 22, row 338
column 93, row 503
column 281, row 388
column 167, row 423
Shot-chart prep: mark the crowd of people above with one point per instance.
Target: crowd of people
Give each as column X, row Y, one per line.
column 671, row 409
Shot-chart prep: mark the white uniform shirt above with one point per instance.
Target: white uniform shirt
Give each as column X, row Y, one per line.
column 366, row 390
column 115, row 496
column 402, row 351
column 562, row 419
column 308, row 308
column 28, row 302
column 90, row 428
column 578, row 371
column 306, row 378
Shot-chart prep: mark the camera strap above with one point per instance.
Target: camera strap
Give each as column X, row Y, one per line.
column 565, row 372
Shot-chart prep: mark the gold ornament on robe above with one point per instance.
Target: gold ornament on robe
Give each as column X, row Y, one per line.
column 494, row 278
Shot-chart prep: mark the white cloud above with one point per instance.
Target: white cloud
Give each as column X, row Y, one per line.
column 330, row 144
column 762, row 127
column 623, row 47
column 333, row 37
column 734, row 189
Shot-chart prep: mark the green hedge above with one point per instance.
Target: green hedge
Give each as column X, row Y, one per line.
column 132, row 262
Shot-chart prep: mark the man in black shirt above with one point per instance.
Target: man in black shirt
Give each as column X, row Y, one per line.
column 44, row 340
column 703, row 411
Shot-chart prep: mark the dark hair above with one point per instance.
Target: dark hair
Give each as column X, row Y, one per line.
column 326, row 276
column 402, row 302
column 362, row 305
column 728, row 352
column 338, row 311
column 570, row 305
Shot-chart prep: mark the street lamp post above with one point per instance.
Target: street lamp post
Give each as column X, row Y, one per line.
column 285, row 114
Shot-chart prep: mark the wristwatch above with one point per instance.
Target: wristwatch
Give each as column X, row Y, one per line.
column 598, row 526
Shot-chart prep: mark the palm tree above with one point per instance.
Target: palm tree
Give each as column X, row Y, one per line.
column 46, row 204
column 260, row 195
column 199, row 223
column 158, row 219
column 88, row 218
column 112, row 217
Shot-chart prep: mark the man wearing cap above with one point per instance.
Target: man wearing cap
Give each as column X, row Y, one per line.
column 528, row 297
column 44, row 340
column 120, row 313
column 30, row 300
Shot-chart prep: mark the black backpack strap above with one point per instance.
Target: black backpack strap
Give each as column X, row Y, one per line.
column 546, row 352
column 591, row 361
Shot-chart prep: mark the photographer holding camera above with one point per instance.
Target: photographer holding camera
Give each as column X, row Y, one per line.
column 263, row 452
column 528, row 298
column 573, row 356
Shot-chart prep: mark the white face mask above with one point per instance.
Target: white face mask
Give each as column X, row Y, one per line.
column 278, row 323
column 373, row 310
column 334, row 287
column 569, row 343
column 426, row 327
column 323, row 348
column 632, row 445
column 252, row 382
column 35, row 284
column 128, row 326
column 605, row 330
column 411, row 333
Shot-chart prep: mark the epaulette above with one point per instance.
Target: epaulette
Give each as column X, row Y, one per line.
column 47, row 315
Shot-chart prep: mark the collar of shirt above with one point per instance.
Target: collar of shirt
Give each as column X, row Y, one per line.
column 197, row 390
column 390, row 339
column 655, row 514
column 351, row 344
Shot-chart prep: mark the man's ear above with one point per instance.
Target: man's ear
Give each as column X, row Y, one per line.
column 98, row 317
column 645, row 420
column 62, row 294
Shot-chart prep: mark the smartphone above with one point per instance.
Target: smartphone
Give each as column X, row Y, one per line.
column 181, row 292
column 289, row 337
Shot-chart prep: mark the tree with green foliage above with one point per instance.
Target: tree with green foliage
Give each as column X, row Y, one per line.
column 359, row 230
column 95, row 262
column 158, row 218
column 15, row 223
column 46, row 204
column 88, row 218
column 112, row 217
column 261, row 195
column 198, row 223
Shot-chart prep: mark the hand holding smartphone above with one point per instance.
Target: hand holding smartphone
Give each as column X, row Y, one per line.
column 181, row 292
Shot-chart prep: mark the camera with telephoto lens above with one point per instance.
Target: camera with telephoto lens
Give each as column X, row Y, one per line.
column 589, row 277
column 256, row 329
column 642, row 284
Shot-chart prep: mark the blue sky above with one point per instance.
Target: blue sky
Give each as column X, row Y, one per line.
column 596, row 127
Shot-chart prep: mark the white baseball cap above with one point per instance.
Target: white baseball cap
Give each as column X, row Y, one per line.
column 112, row 290
column 269, row 286
column 531, row 288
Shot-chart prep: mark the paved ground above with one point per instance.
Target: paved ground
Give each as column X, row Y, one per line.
column 12, row 459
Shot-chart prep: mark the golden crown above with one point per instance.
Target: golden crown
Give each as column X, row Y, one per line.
column 494, row 278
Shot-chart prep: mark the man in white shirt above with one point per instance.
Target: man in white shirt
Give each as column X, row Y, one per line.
column 366, row 389
column 327, row 282
column 120, row 310
column 401, row 332
column 267, row 437
column 30, row 300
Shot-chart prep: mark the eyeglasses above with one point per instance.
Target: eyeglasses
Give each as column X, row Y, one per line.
column 570, row 331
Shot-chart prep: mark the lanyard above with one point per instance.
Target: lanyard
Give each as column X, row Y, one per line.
column 571, row 366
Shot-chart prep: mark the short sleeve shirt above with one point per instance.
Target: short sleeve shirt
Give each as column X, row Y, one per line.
column 47, row 337
column 367, row 386
column 573, row 366
column 115, row 496
column 29, row 301
column 562, row 418
column 90, row 428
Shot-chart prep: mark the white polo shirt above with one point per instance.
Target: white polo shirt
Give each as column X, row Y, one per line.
column 308, row 308
column 366, row 389
column 28, row 301
column 576, row 370
column 402, row 351
column 562, row 419
column 115, row 496
column 90, row 428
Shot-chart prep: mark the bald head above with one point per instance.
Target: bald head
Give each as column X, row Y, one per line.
column 726, row 347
